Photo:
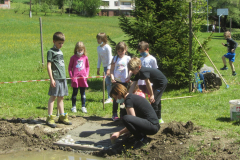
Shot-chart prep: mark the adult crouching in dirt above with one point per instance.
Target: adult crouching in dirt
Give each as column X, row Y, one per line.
column 141, row 119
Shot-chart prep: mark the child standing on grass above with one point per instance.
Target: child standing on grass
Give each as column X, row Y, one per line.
column 147, row 61
column 58, row 83
column 232, row 45
column 150, row 75
column 79, row 67
column 104, row 57
column 119, row 74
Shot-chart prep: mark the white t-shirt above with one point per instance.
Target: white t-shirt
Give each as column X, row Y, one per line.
column 149, row 62
column 121, row 69
column 104, row 56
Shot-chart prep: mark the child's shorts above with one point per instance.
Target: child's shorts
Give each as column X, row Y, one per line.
column 60, row 90
column 230, row 56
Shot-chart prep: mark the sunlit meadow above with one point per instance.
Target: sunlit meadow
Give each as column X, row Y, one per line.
column 20, row 54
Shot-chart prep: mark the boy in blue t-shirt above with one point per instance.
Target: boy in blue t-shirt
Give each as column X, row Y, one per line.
column 232, row 45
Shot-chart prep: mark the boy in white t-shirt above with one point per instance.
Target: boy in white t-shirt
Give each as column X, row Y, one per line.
column 147, row 61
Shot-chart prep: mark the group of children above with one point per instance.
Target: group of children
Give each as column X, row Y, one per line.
column 116, row 69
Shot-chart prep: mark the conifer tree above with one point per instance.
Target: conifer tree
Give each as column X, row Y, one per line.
column 164, row 25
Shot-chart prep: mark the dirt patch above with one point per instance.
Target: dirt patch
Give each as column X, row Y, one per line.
column 175, row 140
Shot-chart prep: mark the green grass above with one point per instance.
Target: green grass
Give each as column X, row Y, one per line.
column 20, row 54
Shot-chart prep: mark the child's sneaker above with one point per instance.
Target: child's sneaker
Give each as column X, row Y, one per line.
column 64, row 119
column 224, row 68
column 50, row 121
column 115, row 117
column 84, row 109
column 109, row 100
column 234, row 73
column 74, row 109
column 161, row 121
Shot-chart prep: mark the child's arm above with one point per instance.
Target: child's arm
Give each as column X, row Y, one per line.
column 70, row 67
column 98, row 65
column 234, row 45
column 149, row 87
column 132, row 87
column 52, row 81
column 112, row 71
column 87, row 67
column 154, row 63
column 130, row 111
column 109, row 58
column 129, row 76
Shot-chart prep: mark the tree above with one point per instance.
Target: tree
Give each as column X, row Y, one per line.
column 78, row 6
column 36, row 8
column 45, row 8
column 91, row 7
column 164, row 25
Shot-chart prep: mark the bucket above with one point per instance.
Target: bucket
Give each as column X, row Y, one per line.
column 235, row 109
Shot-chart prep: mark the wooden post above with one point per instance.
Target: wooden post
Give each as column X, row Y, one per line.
column 190, row 47
column 40, row 20
column 103, row 89
column 30, row 12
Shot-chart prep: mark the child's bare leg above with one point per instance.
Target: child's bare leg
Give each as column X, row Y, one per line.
column 60, row 105
column 51, row 104
column 232, row 66
column 224, row 60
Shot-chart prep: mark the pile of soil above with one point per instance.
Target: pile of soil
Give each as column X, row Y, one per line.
column 175, row 140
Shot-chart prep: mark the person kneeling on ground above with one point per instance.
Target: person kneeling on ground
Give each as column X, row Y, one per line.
column 141, row 119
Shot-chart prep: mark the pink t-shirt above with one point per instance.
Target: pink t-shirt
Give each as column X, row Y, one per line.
column 78, row 67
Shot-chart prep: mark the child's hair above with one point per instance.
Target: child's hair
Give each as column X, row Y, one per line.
column 143, row 45
column 227, row 34
column 134, row 63
column 118, row 89
column 80, row 45
column 121, row 46
column 58, row 36
column 102, row 36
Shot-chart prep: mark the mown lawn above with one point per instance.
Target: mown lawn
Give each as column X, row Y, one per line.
column 20, row 54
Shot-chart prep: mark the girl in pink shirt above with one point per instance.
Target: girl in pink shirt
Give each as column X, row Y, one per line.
column 79, row 67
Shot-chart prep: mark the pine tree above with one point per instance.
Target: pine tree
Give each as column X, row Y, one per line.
column 164, row 25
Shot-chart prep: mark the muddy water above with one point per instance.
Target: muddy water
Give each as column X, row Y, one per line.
column 48, row 155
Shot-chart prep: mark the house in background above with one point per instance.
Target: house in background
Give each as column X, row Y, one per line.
column 5, row 4
column 116, row 7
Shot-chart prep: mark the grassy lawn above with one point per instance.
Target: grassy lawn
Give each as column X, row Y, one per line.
column 20, row 54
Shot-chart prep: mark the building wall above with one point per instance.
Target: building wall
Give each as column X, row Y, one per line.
column 116, row 10
column 6, row 4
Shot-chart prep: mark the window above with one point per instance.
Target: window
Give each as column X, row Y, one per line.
column 116, row 3
column 1, row 1
column 105, row 3
column 126, row 3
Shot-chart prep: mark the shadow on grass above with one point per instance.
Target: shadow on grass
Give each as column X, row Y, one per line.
column 42, row 107
column 223, row 119
column 96, row 118
column 236, row 123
